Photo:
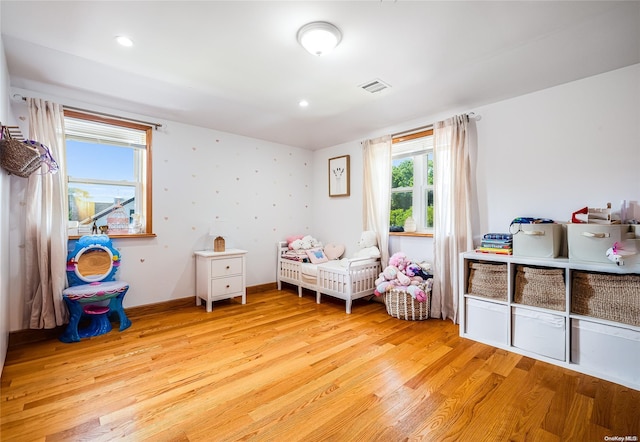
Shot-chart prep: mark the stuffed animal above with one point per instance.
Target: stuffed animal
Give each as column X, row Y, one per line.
column 293, row 238
column 616, row 254
column 402, row 273
column 399, row 260
column 368, row 244
column 305, row 243
column 417, row 293
column 387, row 280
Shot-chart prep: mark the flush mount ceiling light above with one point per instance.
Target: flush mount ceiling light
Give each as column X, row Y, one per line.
column 124, row 40
column 319, row 37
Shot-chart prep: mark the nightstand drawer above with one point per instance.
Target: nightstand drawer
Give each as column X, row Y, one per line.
column 226, row 286
column 226, row 267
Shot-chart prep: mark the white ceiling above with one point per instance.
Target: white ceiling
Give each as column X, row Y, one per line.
column 236, row 66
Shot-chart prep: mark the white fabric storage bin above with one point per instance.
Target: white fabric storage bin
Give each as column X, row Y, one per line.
column 539, row 332
column 486, row 321
column 606, row 349
column 589, row 242
column 538, row 240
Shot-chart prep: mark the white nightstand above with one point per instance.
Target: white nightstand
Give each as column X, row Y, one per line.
column 220, row 275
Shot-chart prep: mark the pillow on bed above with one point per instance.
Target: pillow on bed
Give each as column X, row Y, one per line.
column 333, row 251
column 316, row 256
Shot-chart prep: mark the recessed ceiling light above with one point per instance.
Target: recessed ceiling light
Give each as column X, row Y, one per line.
column 124, row 40
column 303, row 103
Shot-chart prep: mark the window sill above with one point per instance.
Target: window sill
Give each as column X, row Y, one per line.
column 416, row 234
column 133, row 235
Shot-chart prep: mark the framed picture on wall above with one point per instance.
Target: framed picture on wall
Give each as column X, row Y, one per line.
column 339, row 176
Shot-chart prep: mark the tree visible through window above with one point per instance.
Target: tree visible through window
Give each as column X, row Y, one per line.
column 412, row 181
column 108, row 174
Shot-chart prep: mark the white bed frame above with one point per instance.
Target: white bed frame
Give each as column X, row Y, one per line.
column 354, row 281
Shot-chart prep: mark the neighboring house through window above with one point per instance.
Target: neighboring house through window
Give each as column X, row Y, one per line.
column 108, row 174
column 412, row 181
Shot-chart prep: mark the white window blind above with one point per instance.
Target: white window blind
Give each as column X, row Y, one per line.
column 412, row 147
column 93, row 132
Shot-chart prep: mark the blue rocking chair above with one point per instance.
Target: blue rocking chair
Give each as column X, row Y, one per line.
column 93, row 292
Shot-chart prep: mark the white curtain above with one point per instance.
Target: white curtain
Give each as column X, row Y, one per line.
column 453, row 206
column 46, row 222
column 377, row 191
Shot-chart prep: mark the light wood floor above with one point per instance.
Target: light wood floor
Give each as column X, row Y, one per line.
column 281, row 368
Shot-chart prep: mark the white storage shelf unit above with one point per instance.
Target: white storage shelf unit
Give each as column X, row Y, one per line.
column 598, row 347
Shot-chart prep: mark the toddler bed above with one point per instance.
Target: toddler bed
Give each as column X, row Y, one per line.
column 345, row 279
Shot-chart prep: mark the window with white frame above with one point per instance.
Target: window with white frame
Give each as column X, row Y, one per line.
column 108, row 174
column 412, row 181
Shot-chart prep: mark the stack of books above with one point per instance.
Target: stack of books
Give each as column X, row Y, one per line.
column 500, row 243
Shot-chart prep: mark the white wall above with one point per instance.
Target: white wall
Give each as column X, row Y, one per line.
column 261, row 191
column 544, row 154
column 552, row 152
column 4, row 216
column 338, row 219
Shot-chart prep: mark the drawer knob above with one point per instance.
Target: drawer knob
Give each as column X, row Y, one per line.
column 228, row 286
column 227, row 267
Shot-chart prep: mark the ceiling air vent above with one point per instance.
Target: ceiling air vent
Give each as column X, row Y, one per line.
column 374, row 86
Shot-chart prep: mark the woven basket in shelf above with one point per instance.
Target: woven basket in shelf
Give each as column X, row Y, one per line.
column 401, row 305
column 19, row 158
column 488, row 280
column 606, row 296
column 540, row 287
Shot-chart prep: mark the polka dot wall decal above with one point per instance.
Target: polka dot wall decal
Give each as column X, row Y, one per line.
column 166, row 161
column 217, row 141
column 193, row 148
column 217, row 216
column 193, row 175
column 193, row 228
column 166, row 218
column 141, row 259
column 166, row 189
column 217, row 191
column 255, row 217
column 237, row 178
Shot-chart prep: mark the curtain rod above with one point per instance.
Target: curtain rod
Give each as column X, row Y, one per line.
column 102, row 114
column 470, row 115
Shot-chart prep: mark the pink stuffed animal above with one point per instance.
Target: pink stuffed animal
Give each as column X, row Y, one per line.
column 399, row 260
column 400, row 272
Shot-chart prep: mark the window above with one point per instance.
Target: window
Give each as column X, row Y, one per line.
column 412, row 181
column 108, row 174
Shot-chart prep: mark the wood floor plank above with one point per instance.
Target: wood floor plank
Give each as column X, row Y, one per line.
column 285, row 368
